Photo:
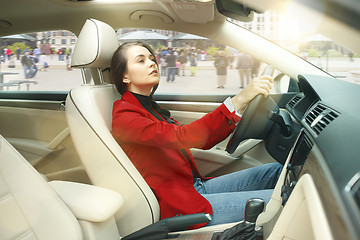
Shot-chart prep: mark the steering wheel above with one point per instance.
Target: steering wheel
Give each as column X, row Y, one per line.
column 255, row 122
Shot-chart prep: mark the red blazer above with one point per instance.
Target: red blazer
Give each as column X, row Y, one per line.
column 154, row 148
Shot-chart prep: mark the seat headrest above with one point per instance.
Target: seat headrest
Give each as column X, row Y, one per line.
column 95, row 45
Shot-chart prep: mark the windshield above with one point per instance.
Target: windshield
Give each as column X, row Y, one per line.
column 304, row 41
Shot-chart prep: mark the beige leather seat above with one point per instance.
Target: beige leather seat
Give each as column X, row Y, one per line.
column 89, row 114
column 32, row 208
column 29, row 206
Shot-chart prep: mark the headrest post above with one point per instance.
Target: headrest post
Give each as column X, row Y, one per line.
column 101, row 79
column 86, row 76
column 83, row 75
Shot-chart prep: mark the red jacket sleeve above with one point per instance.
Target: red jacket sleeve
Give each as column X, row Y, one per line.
column 132, row 124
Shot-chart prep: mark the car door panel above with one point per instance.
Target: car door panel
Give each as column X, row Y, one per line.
column 39, row 131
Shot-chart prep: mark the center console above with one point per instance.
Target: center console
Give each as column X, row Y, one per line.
column 295, row 165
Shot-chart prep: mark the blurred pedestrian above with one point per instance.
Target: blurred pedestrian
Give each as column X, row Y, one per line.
column 59, row 54
column 27, row 64
column 163, row 65
column 26, row 50
column 182, row 59
column 44, row 62
column 193, row 64
column 221, row 62
column 171, row 66
column 3, row 54
column 178, row 64
column 18, row 50
column 34, row 68
column 37, row 53
column 52, row 52
column 68, row 62
column 8, row 53
column 244, row 66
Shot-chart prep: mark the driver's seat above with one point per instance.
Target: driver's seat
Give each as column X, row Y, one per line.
column 89, row 115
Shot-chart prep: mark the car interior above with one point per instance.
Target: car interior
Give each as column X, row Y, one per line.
column 63, row 175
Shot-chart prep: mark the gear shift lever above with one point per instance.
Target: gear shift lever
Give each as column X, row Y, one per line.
column 245, row 229
column 253, row 208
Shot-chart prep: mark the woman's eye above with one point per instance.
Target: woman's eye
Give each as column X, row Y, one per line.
column 141, row 61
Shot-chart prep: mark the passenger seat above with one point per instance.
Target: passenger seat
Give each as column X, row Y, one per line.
column 31, row 208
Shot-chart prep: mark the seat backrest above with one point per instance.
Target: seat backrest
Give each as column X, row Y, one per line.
column 89, row 115
column 29, row 207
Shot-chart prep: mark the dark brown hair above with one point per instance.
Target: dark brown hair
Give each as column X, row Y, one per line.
column 119, row 64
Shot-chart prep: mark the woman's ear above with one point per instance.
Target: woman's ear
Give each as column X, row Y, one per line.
column 125, row 79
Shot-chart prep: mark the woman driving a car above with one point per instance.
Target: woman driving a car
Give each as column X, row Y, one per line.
column 159, row 146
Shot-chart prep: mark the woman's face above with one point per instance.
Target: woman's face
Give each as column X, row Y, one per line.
column 142, row 71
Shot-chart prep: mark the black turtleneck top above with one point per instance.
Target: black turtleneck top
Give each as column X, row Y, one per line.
column 151, row 106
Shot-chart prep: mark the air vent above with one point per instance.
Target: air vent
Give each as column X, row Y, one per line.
column 319, row 117
column 294, row 101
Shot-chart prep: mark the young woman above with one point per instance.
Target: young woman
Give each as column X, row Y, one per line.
column 159, row 146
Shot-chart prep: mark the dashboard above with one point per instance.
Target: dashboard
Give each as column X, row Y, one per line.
column 327, row 148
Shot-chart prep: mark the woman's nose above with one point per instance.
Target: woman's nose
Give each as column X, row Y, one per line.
column 151, row 62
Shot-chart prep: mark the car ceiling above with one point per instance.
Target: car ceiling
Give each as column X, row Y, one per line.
column 19, row 16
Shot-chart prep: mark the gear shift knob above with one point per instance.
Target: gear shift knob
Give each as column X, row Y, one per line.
column 253, row 208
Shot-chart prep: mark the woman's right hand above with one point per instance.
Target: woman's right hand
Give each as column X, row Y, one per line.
column 259, row 85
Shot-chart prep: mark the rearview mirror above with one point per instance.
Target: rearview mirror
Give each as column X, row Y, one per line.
column 235, row 10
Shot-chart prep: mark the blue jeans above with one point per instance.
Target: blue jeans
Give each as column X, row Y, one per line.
column 163, row 70
column 27, row 71
column 171, row 74
column 228, row 194
column 33, row 71
column 30, row 72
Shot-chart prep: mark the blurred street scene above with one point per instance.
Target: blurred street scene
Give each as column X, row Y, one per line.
column 58, row 77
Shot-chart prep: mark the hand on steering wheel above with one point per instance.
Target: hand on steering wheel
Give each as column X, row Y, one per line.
column 254, row 122
column 258, row 86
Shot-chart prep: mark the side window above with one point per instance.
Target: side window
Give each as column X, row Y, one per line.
column 191, row 64
column 38, row 61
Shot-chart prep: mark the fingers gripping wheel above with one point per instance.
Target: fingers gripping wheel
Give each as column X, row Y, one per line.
column 255, row 122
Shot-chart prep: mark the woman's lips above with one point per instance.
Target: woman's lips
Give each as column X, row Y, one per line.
column 154, row 72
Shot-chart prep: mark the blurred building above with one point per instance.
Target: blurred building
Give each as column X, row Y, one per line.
column 268, row 24
column 55, row 40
